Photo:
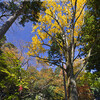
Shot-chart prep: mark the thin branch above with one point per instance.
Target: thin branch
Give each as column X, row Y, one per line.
column 43, row 43
column 47, row 32
column 55, row 39
column 25, row 62
column 75, row 7
column 80, row 13
column 45, row 60
column 72, row 6
column 56, row 21
column 46, row 45
column 74, row 13
column 41, row 38
column 78, row 72
column 62, row 68
column 77, row 55
column 4, row 16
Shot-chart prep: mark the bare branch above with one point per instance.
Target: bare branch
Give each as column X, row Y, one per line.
column 61, row 67
column 43, row 43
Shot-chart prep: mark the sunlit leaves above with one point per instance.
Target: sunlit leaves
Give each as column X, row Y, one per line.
column 62, row 26
column 56, row 19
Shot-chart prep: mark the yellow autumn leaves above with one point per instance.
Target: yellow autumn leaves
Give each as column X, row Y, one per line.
column 56, row 19
column 37, row 47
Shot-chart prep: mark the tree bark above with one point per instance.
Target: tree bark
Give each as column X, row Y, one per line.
column 72, row 89
column 4, row 28
column 73, row 94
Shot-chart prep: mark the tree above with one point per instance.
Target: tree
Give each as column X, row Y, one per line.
column 2, row 61
column 8, row 86
column 60, row 25
column 28, row 10
column 93, row 83
column 90, row 32
column 11, row 71
column 41, row 84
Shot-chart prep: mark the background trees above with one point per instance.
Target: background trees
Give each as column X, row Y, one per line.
column 90, row 33
column 8, row 77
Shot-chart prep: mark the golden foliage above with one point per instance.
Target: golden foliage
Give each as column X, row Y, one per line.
column 56, row 19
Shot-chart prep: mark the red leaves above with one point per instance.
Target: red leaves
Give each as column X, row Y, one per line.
column 20, row 88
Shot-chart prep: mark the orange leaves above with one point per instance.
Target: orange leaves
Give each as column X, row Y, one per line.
column 85, row 93
column 78, row 62
column 11, row 56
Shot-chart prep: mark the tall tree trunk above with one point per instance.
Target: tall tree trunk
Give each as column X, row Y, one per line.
column 4, row 28
column 72, row 89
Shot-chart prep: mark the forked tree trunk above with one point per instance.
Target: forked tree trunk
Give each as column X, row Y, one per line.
column 72, row 89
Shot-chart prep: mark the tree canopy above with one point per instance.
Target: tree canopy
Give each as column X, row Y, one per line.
column 90, row 33
column 65, row 44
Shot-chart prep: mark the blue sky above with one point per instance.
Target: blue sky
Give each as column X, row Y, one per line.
column 18, row 33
